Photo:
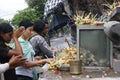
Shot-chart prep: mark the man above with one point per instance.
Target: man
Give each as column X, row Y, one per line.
column 27, row 71
column 38, row 42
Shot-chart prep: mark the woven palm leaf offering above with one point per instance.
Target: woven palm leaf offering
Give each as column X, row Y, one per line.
column 89, row 19
column 113, row 11
column 62, row 59
column 112, row 6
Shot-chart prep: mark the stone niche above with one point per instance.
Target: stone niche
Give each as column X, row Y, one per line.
column 94, row 46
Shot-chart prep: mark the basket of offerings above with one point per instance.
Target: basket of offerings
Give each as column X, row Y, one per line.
column 62, row 59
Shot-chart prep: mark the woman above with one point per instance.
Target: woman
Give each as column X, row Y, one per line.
column 26, row 72
column 6, row 52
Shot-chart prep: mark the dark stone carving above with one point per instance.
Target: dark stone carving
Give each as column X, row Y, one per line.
column 115, row 15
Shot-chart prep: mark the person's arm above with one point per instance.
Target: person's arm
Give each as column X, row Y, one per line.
column 45, row 48
column 13, row 62
column 4, row 67
column 18, row 49
column 16, row 61
column 37, row 63
column 40, row 45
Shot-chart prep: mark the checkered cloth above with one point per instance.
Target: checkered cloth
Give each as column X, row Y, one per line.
column 50, row 5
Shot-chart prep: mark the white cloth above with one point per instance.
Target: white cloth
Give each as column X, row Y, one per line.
column 1, row 76
column 3, row 68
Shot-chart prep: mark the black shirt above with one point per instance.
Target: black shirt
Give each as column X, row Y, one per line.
column 9, row 74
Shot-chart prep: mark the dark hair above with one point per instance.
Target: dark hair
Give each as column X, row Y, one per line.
column 26, row 23
column 45, row 21
column 5, row 27
column 39, row 25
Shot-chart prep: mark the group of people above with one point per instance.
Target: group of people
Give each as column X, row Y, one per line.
column 29, row 49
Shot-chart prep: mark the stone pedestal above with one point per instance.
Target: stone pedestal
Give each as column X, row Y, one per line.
column 116, row 65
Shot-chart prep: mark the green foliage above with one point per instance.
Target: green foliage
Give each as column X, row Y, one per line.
column 34, row 11
column 27, row 13
column 2, row 20
column 38, row 5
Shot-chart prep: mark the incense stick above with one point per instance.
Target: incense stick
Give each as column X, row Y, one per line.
column 67, row 42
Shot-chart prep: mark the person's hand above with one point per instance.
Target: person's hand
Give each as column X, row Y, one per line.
column 38, row 58
column 53, row 48
column 49, row 60
column 17, row 33
column 16, row 61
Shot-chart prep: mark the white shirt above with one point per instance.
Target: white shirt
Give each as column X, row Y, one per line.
column 3, row 67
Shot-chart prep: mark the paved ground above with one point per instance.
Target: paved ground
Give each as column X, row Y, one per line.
column 100, row 74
